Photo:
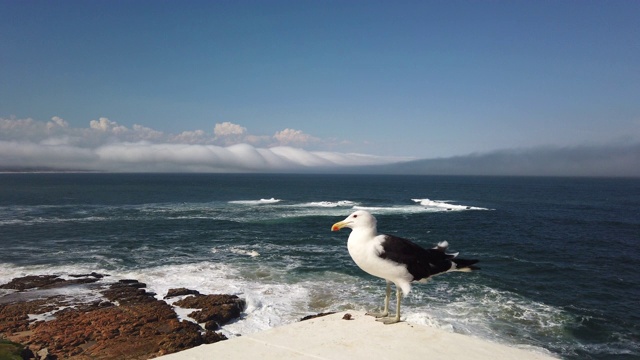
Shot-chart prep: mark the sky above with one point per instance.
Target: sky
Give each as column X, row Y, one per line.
column 281, row 85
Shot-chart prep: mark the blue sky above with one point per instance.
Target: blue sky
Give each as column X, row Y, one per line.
column 392, row 79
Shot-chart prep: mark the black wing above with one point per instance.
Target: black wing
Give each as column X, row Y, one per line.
column 421, row 263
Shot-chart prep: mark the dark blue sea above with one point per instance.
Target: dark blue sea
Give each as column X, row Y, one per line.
column 559, row 256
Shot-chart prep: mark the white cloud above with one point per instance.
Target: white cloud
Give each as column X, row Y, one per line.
column 228, row 129
column 145, row 133
column 25, row 154
column 57, row 122
column 190, row 137
column 108, row 146
column 212, row 158
column 20, row 129
column 145, row 156
column 106, row 125
column 293, row 137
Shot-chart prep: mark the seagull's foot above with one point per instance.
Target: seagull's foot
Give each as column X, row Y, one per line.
column 389, row 320
column 379, row 315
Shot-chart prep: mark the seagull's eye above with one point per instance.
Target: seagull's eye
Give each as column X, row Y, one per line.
column 355, row 216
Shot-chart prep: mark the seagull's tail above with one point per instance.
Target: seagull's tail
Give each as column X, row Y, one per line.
column 459, row 264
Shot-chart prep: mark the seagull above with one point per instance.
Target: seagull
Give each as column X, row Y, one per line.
column 397, row 260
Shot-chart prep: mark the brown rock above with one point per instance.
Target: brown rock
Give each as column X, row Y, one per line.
column 139, row 327
column 31, row 282
column 211, row 325
column 308, row 317
column 218, row 308
column 180, row 292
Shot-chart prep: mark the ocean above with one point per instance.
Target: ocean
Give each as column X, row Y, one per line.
column 559, row 256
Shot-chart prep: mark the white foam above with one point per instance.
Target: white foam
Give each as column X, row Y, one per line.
column 275, row 295
column 329, row 204
column 269, row 303
column 251, row 253
column 47, row 316
column 445, row 205
column 256, row 202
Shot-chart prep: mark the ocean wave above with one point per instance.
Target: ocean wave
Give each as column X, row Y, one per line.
column 45, row 220
column 328, row 204
column 444, row 205
column 396, row 209
column 255, row 202
column 276, row 295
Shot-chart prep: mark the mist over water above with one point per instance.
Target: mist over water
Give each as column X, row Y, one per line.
column 557, row 254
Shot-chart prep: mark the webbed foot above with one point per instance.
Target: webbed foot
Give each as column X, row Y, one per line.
column 378, row 315
column 389, row 320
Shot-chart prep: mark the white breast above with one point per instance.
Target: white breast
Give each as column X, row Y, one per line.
column 365, row 252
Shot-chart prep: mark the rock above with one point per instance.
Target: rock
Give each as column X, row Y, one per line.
column 309, row 317
column 31, row 282
column 211, row 325
column 44, row 282
column 203, row 301
column 93, row 274
column 221, row 314
column 218, row 308
column 43, row 354
column 180, row 292
column 132, row 283
column 26, row 353
column 130, row 324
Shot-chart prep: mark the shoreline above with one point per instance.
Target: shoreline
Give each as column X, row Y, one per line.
column 360, row 337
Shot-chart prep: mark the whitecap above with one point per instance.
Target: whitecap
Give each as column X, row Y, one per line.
column 445, row 205
column 255, row 202
column 329, row 204
column 238, row 251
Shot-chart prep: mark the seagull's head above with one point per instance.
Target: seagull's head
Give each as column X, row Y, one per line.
column 358, row 220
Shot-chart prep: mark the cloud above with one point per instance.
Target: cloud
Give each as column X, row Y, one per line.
column 106, row 125
column 19, row 129
column 228, row 129
column 190, row 137
column 57, row 122
column 293, row 137
column 107, row 145
column 166, row 157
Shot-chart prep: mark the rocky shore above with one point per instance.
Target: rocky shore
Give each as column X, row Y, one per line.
column 87, row 316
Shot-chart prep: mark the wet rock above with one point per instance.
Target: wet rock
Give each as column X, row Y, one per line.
column 129, row 323
column 45, row 282
column 309, row 317
column 31, row 282
column 93, row 274
column 218, row 308
column 211, row 325
column 180, row 292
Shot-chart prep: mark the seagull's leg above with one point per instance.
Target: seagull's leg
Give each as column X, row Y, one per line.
column 384, row 312
column 396, row 319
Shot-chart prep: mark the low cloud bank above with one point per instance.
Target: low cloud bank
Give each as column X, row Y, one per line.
column 621, row 160
column 105, row 145
column 149, row 157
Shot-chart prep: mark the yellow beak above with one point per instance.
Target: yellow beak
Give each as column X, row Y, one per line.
column 339, row 225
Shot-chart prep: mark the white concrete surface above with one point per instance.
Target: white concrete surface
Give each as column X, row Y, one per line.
column 331, row 337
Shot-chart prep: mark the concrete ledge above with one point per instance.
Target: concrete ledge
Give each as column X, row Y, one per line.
column 331, row 337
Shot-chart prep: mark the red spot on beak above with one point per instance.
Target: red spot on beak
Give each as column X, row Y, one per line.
column 335, row 228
